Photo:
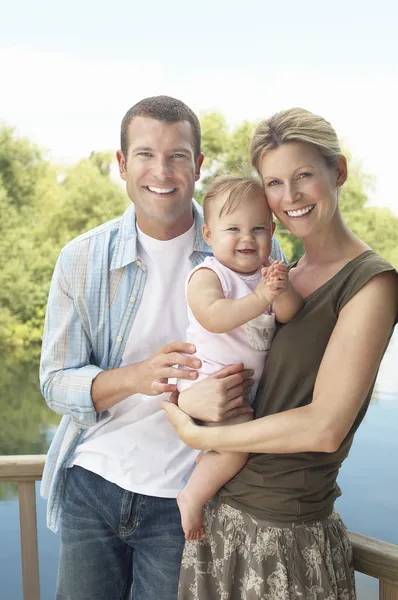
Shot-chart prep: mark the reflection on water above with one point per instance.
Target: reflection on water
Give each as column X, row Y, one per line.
column 368, row 479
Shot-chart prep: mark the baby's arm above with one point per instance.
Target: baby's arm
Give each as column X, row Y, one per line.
column 217, row 313
column 286, row 301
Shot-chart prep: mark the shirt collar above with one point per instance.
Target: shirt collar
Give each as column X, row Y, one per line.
column 126, row 241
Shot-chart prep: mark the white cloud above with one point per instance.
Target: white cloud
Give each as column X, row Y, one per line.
column 72, row 105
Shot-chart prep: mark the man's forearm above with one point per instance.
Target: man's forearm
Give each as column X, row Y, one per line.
column 113, row 386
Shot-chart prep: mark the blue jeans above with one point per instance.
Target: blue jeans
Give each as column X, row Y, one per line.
column 115, row 543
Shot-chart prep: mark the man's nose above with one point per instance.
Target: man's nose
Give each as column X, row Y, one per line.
column 162, row 168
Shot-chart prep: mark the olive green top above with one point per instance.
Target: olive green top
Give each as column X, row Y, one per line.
column 302, row 486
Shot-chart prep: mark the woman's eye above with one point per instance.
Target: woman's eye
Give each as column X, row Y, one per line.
column 305, row 174
column 274, row 182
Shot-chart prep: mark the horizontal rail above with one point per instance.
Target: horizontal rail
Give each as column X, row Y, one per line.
column 371, row 556
column 374, row 557
column 22, row 468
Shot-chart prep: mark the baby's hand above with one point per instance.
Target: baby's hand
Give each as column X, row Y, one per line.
column 275, row 278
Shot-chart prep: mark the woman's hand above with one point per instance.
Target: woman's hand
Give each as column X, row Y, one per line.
column 218, row 397
column 185, row 427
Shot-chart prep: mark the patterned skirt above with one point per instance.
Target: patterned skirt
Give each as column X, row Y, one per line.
column 242, row 558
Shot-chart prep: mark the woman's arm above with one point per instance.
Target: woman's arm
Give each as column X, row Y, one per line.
column 348, row 368
column 286, row 301
column 216, row 313
column 287, row 304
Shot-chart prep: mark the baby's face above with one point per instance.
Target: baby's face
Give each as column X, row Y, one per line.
column 242, row 239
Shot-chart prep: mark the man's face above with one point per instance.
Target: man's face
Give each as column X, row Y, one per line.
column 160, row 171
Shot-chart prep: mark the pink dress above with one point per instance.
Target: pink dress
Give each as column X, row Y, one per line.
column 248, row 343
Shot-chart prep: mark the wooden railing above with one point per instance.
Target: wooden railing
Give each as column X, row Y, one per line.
column 26, row 470
column 372, row 557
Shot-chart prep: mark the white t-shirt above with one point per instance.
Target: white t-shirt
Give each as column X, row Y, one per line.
column 136, row 447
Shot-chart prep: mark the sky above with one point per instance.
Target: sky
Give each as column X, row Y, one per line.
column 70, row 70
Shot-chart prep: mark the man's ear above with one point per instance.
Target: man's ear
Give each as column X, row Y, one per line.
column 341, row 171
column 121, row 161
column 206, row 234
column 198, row 165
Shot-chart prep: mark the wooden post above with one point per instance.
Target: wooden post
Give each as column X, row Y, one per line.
column 29, row 549
column 388, row 590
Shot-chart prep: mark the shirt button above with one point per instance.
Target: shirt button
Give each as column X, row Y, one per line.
column 132, row 299
column 119, row 338
column 138, row 263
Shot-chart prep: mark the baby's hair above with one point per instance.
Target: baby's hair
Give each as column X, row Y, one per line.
column 238, row 187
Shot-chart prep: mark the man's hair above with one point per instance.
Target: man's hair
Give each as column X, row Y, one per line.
column 238, row 188
column 162, row 108
column 294, row 125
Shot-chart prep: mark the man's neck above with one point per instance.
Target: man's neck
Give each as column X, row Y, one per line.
column 164, row 231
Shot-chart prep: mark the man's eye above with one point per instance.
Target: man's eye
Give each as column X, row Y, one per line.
column 144, row 154
column 178, row 155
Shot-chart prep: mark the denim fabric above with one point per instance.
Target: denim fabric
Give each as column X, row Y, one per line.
column 113, row 540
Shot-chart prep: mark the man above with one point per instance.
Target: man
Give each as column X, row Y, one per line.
column 116, row 306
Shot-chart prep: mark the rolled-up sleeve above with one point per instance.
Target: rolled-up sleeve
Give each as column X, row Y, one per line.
column 66, row 375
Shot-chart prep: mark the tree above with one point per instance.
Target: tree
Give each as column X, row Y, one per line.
column 42, row 207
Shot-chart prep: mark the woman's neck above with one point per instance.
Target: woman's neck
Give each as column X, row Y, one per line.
column 334, row 244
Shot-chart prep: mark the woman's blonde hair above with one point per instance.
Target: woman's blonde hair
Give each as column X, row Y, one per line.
column 294, row 125
column 238, row 189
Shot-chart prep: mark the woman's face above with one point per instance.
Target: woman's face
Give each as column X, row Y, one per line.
column 301, row 189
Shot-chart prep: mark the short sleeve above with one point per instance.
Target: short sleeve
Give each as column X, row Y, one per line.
column 367, row 267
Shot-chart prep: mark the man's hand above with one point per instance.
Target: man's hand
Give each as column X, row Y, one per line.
column 218, row 397
column 151, row 375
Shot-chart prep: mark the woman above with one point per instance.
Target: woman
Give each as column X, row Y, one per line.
column 272, row 531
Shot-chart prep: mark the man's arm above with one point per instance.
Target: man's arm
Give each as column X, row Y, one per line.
column 66, row 374
column 72, row 385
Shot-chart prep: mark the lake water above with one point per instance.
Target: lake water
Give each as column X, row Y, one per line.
column 368, row 478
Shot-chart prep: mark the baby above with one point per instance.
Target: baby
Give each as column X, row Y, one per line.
column 234, row 299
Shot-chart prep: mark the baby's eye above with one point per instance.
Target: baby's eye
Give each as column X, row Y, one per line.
column 259, row 228
column 233, row 229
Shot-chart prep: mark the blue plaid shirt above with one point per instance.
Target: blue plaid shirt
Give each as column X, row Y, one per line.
column 94, row 298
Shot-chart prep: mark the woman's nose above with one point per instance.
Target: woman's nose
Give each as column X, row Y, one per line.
column 292, row 194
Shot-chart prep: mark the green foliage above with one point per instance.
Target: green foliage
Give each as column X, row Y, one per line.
column 42, row 207
column 224, row 149
column 21, row 165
